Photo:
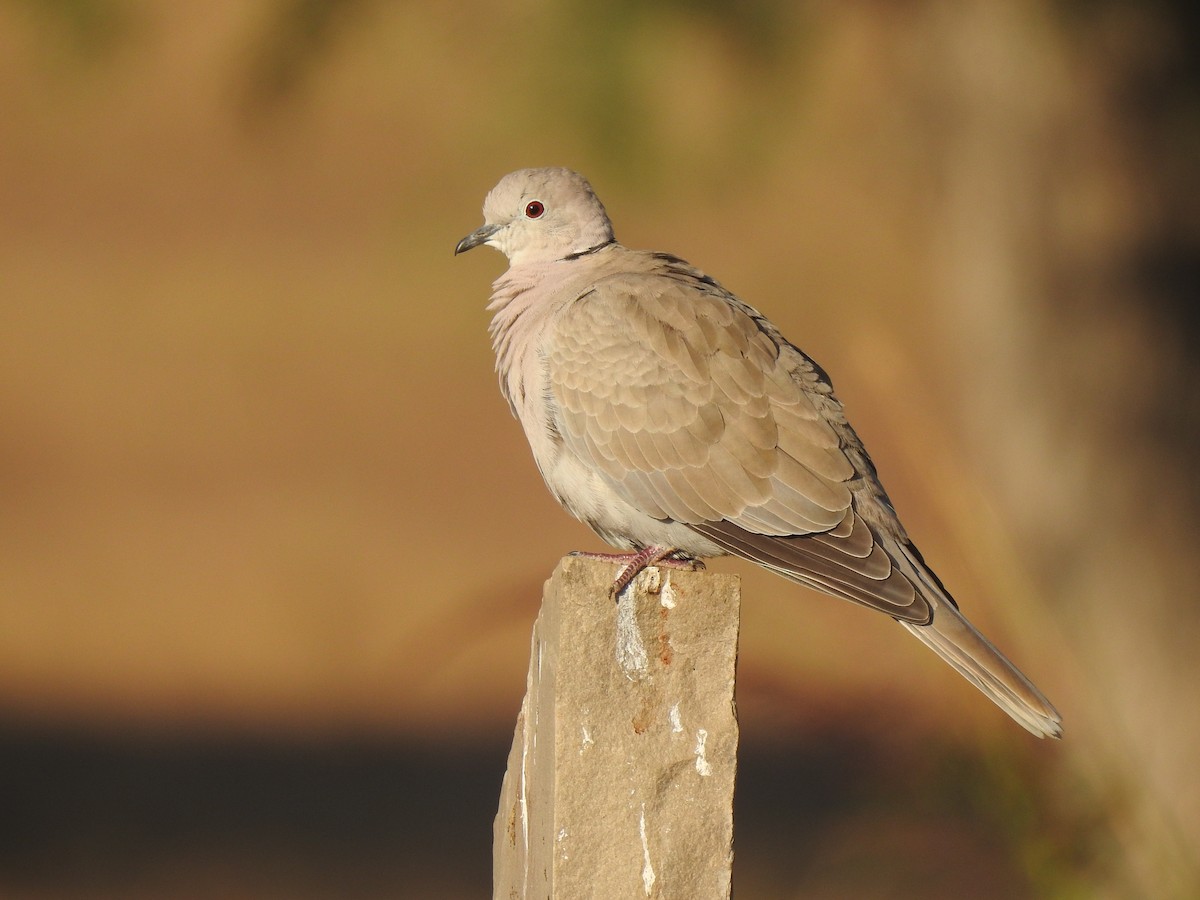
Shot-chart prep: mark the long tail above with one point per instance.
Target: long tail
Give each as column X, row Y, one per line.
column 972, row 655
column 955, row 640
column 840, row 565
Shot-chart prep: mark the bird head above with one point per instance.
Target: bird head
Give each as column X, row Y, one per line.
column 541, row 215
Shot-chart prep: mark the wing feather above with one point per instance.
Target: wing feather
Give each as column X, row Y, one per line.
column 696, row 411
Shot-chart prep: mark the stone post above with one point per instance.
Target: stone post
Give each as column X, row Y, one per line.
column 620, row 778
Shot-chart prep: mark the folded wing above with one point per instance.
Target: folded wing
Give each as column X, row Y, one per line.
column 694, row 409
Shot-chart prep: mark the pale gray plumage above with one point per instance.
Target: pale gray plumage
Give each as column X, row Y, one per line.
column 666, row 413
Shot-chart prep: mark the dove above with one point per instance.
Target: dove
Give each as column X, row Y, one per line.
column 679, row 424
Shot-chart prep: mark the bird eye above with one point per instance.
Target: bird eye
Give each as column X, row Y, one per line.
column 534, row 209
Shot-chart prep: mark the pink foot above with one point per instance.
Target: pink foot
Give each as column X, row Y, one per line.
column 642, row 559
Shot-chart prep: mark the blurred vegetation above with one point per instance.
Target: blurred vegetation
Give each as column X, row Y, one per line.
column 271, row 545
column 293, row 44
column 87, row 29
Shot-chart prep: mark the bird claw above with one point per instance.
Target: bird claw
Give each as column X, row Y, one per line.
column 668, row 557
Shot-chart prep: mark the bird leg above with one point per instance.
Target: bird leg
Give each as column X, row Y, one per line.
column 642, row 559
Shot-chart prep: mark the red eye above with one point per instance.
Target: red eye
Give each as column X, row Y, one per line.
column 534, row 209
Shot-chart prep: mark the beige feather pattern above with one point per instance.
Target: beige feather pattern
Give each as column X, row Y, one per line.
column 672, row 417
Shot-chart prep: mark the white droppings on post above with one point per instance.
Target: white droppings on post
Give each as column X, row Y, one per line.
column 631, row 649
column 676, row 719
column 585, row 737
column 561, row 840
column 667, row 596
column 523, row 789
column 703, row 766
column 648, row 877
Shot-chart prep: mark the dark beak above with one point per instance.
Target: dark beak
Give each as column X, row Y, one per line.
column 475, row 238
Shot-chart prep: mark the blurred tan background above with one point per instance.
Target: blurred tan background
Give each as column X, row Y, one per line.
column 271, row 545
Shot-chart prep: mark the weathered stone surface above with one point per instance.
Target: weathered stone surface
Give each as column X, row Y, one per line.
column 620, row 779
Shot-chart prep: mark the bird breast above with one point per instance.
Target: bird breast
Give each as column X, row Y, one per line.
column 523, row 320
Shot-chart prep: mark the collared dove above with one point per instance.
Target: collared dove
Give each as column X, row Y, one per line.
column 678, row 423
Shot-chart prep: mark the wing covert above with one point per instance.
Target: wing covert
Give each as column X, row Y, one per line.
column 691, row 411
